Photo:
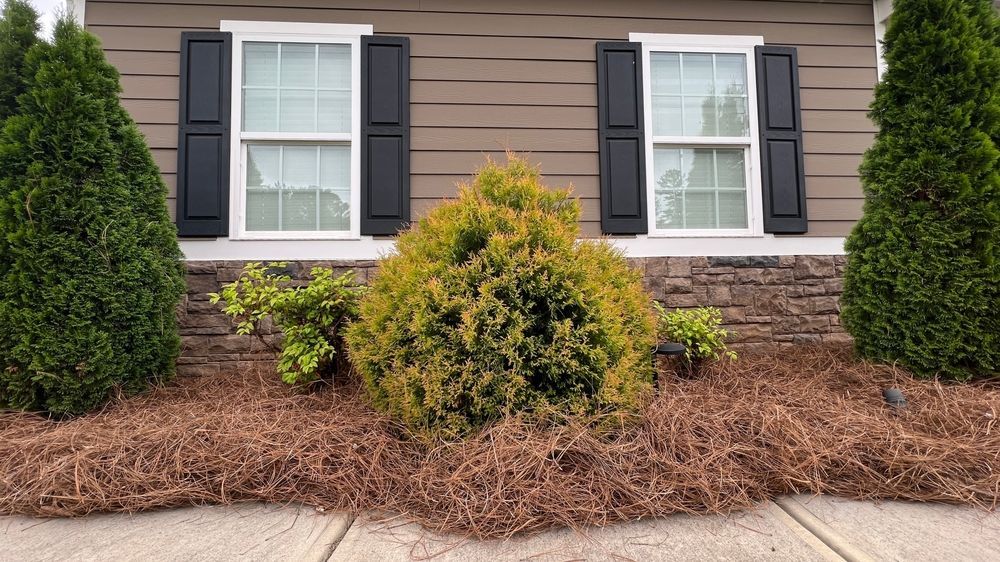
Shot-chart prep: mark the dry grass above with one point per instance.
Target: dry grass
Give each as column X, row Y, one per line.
column 804, row 420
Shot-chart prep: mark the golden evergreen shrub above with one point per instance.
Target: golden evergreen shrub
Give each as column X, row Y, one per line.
column 490, row 306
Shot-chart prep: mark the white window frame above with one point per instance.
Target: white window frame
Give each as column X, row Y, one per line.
column 725, row 44
column 285, row 32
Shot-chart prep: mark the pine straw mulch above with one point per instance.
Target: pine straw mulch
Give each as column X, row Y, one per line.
column 798, row 420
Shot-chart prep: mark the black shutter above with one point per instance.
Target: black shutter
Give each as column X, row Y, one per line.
column 782, row 172
column 385, row 134
column 203, row 137
column 621, row 138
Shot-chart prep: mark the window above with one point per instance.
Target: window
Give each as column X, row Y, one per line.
column 702, row 141
column 296, row 100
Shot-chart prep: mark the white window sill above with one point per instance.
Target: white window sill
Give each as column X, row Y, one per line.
column 704, row 235
column 292, row 239
column 368, row 248
column 363, row 248
column 757, row 245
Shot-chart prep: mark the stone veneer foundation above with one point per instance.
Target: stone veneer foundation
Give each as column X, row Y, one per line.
column 765, row 300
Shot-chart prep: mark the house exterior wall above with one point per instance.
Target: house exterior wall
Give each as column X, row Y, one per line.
column 486, row 76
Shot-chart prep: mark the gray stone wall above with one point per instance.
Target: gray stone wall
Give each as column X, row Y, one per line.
column 765, row 300
column 209, row 342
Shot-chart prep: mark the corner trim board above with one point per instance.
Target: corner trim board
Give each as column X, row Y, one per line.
column 77, row 9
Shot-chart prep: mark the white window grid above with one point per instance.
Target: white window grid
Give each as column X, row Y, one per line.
column 278, row 88
column 318, row 191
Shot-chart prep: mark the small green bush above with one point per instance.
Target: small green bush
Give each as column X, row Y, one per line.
column 310, row 316
column 491, row 306
column 922, row 283
column 699, row 329
column 90, row 270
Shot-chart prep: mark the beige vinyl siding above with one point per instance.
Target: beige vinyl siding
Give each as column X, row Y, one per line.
column 520, row 74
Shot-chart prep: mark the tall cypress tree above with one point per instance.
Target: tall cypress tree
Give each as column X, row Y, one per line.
column 18, row 32
column 90, row 270
column 922, row 284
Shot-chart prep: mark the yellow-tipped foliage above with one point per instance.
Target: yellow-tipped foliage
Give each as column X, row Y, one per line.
column 491, row 306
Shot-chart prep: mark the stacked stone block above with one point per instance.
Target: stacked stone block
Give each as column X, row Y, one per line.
column 763, row 299
column 209, row 342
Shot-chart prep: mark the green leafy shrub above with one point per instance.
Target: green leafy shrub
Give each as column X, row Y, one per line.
column 90, row 269
column 491, row 306
column 699, row 329
column 18, row 32
column 311, row 316
column 922, row 283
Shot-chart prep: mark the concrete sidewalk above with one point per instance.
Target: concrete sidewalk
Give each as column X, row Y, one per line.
column 792, row 528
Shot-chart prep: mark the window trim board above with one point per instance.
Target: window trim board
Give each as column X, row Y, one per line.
column 289, row 32
column 727, row 44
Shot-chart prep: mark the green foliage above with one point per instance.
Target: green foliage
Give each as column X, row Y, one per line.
column 310, row 316
column 922, row 283
column 699, row 329
column 90, row 270
column 18, row 32
column 491, row 306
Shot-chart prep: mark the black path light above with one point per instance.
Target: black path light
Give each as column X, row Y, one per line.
column 894, row 397
column 669, row 349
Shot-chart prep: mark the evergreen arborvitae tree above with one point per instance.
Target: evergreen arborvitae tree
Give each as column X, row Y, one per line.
column 922, row 285
column 18, row 32
column 90, row 270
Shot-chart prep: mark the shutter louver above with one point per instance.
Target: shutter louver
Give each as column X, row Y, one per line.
column 385, row 134
column 621, row 138
column 782, row 171
column 203, row 134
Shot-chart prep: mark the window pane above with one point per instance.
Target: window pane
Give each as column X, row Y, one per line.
column 699, row 94
column 262, row 210
column 335, row 66
column 699, row 188
column 336, row 210
column 334, row 111
column 669, row 209
column 699, row 209
column 298, row 210
column 666, row 73
column 298, row 111
column 698, row 78
column 699, row 116
column 263, row 163
column 298, row 167
column 700, row 168
column 296, row 88
column 335, row 167
column 732, row 114
column 732, row 209
column 667, row 115
column 260, row 110
column 730, row 74
column 730, row 168
column 298, row 187
column 667, row 168
column 298, row 65
column 260, row 64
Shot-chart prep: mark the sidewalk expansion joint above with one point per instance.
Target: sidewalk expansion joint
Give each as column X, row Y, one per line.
column 330, row 539
column 835, row 541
